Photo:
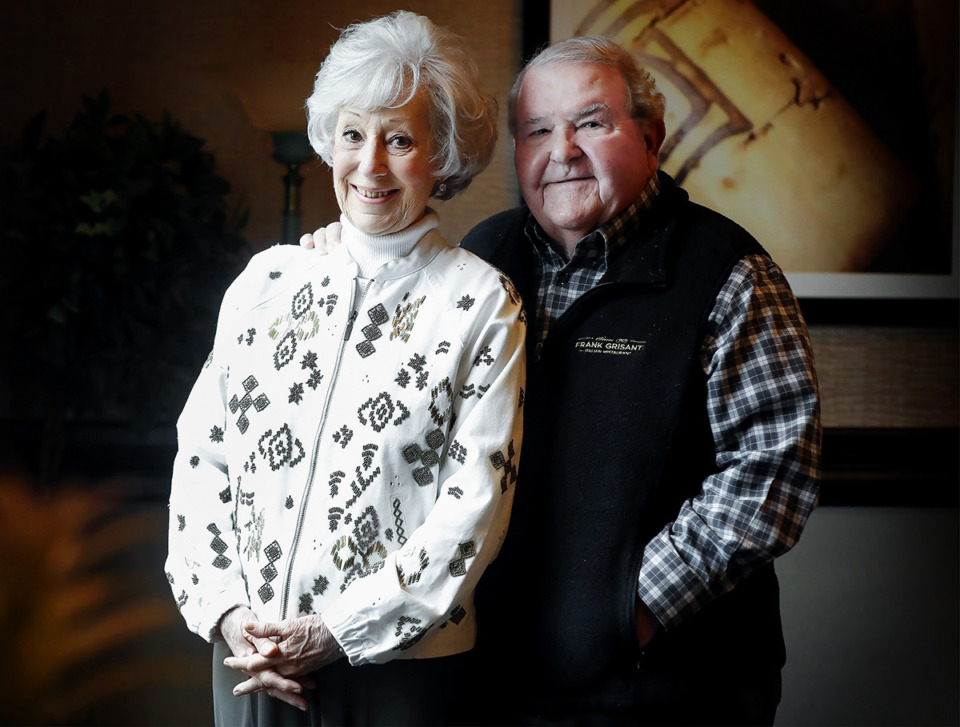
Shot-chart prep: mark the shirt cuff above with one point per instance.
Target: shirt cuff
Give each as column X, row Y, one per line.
column 667, row 585
column 357, row 619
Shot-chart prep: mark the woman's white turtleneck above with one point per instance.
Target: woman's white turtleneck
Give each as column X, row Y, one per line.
column 372, row 251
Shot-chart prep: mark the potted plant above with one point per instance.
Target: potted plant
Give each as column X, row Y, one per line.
column 116, row 244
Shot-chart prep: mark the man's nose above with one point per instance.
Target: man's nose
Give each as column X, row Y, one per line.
column 563, row 146
column 372, row 158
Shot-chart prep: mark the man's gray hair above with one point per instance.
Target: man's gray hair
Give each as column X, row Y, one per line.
column 384, row 63
column 644, row 101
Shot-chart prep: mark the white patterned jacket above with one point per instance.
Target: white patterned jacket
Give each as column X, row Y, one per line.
column 350, row 448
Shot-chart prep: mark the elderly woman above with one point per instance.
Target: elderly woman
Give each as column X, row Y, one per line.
column 348, row 453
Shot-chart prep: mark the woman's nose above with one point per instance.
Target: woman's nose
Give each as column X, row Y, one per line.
column 563, row 146
column 372, row 158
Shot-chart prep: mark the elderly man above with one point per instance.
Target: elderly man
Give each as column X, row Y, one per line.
column 672, row 423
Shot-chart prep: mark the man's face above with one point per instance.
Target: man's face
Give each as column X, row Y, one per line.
column 580, row 157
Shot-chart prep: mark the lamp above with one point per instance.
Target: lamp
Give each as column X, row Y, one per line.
column 272, row 94
column 292, row 149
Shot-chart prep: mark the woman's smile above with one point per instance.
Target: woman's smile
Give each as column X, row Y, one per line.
column 372, row 194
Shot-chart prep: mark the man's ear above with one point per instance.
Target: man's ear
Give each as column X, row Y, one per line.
column 654, row 133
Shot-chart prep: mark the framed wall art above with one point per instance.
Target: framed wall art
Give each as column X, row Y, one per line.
column 828, row 130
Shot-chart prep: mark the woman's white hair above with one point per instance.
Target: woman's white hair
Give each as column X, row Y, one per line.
column 644, row 101
column 384, row 63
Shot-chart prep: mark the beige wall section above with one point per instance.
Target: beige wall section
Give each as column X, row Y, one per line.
column 190, row 57
column 888, row 377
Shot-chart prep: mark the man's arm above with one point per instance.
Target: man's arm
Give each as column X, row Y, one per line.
column 764, row 413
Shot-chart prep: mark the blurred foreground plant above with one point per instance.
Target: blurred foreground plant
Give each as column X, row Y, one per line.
column 71, row 609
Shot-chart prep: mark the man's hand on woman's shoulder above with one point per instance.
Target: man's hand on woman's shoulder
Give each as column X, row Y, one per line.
column 324, row 240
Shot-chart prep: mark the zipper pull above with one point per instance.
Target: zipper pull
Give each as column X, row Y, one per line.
column 350, row 320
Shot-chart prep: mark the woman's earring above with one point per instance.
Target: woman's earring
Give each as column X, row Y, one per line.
column 441, row 188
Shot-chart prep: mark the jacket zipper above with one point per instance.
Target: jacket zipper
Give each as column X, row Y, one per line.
column 356, row 300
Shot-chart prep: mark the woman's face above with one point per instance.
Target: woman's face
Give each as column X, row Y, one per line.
column 382, row 172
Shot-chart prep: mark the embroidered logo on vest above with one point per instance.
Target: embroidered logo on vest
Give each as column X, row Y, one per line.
column 608, row 346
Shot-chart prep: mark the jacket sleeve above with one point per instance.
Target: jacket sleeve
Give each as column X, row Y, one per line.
column 429, row 581
column 764, row 412
column 203, row 566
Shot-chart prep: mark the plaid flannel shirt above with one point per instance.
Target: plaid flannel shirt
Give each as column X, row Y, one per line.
column 764, row 414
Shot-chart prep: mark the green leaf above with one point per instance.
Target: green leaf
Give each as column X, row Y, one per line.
column 99, row 201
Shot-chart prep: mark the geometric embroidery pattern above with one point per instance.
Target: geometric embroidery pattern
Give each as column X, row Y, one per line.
column 404, row 318
column 306, row 604
column 469, row 390
column 335, row 479
column 281, row 448
column 286, row 350
column 343, row 436
column 408, row 579
column 441, row 402
column 409, row 632
column 483, row 357
column 458, row 452
column 398, row 521
column 371, row 332
column 297, row 329
column 313, row 381
column 379, row 412
column 219, row 546
column 506, row 464
column 427, row 457
column 331, row 303
column 458, row 566
column 458, row 614
column 269, row 571
column 417, row 362
column 334, row 515
column 296, row 394
column 364, row 483
column 309, row 360
column 242, row 405
column 320, row 584
column 302, row 301
column 360, row 549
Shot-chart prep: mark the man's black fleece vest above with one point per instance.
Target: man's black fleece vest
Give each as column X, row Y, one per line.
column 616, row 437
